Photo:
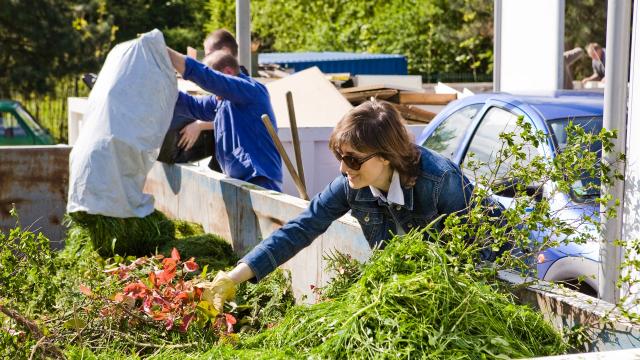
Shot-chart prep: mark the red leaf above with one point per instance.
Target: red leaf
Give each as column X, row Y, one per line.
column 152, row 278
column 147, row 303
column 186, row 320
column 169, row 323
column 190, row 266
column 181, row 297
column 136, row 290
column 197, row 294
column 85, row 290
column 161, row 315
column 175, row 255
column 165, row 276
column 168, row 263
column 230, row 321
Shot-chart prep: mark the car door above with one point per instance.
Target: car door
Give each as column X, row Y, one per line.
column 485, row 144
column 13, row 131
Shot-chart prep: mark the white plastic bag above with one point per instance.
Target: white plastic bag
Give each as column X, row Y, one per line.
column 128, row 113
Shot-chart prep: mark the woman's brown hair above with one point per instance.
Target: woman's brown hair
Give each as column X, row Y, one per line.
column 377, row 127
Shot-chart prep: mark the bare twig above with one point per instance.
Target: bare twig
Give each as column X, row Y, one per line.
column 48, row 347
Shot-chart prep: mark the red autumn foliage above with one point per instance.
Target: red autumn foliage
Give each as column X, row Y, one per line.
column 157, row 289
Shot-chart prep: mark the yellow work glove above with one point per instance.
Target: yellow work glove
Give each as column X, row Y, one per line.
column 219, row 290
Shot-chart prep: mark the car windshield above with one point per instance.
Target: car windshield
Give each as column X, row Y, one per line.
column 587, row 187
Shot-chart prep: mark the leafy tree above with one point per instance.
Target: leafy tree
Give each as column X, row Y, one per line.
column 44, row 40
column 437, row 36
column 181, row 21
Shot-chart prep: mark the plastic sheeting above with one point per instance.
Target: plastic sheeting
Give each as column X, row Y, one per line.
column 129, row 111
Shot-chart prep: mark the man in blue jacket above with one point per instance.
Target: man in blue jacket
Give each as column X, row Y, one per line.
column 244, row 149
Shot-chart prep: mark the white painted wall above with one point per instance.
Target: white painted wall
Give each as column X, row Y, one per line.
column 531, row 45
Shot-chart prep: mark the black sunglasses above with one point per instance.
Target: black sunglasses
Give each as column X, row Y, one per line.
column 353, row 162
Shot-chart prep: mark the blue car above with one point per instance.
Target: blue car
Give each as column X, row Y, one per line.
column 473, row 124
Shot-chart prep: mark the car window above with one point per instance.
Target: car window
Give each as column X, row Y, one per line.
column 29, row 121
column 486, row 143
column 9, row 126
column 448, row 135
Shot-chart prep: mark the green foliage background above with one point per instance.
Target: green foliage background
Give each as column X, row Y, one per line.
column 437, row 36
column 46, row 44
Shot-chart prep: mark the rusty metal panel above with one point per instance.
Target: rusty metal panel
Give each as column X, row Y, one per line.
column 245, row 214
column 36, row 180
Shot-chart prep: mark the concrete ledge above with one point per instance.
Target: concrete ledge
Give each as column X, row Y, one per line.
column 565, row 308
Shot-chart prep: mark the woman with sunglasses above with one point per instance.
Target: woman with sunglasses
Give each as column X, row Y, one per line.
column 390, row 185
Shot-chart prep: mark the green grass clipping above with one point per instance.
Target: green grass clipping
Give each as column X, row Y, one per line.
column 412, row 301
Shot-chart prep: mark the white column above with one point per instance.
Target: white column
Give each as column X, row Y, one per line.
column 615, row 117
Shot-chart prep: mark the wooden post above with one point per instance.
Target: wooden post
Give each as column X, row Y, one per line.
column 294, row 137
column 299, row 185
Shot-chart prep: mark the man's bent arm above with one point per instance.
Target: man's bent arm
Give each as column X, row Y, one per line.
column 177, row 60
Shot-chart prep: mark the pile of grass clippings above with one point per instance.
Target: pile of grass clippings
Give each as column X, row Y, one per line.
column 186, row 228
column 124, row 236
column 207, row 249
column 412, row 301
column 264, row 304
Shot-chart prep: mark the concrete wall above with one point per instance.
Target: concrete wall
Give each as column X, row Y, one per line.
column 35, row 179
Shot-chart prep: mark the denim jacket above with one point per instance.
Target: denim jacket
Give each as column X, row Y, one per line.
column 441, row 188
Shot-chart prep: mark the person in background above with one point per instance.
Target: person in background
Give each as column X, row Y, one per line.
column 244, row 148
column 220, row 39
column 598, row 57
column 570, row 57
column 389, row 184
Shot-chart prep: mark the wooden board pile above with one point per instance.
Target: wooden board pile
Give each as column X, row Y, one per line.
column 409, row 103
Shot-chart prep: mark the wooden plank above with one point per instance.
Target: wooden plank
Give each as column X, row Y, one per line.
column 362, row 88
column 359, row 97
column 398, row 82
column 410, row 97
column 409, row 112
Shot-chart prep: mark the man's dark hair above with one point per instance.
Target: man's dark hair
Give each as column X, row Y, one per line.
column 220, row 39
column 219, row 60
